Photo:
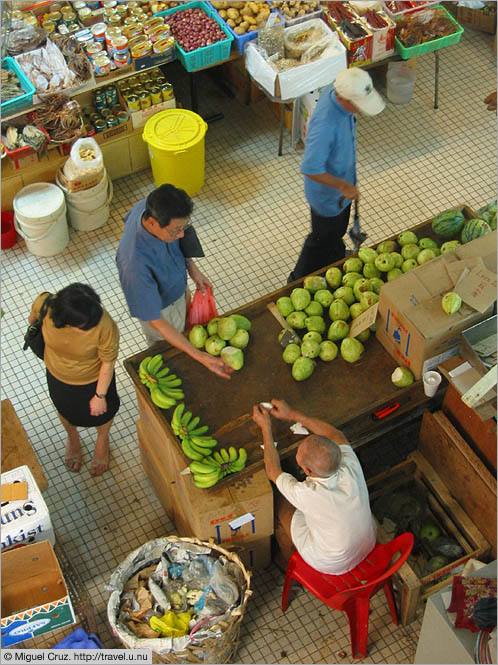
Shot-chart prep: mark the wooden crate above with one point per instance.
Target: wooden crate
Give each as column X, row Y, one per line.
column 445, row 511
column 465, row 475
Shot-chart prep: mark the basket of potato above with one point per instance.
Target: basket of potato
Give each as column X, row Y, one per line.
column 243, row 18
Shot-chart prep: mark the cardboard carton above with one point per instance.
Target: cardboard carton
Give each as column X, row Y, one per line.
column 413, row 327
column 231, row 514
column 139, row 118
column 358, row 51
column 298, row 80
column 81, row 183
column 27, row 520
column 481, row 19
column 35, row 599
column 255, row 554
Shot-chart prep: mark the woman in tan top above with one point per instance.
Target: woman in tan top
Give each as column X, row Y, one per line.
column 81, row 347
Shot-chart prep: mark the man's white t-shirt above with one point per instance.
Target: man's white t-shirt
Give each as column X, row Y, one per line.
column 332, row 528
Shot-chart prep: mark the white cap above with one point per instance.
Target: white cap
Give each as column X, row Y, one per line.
column 356, row 86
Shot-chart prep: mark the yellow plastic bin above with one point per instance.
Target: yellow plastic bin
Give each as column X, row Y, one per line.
column 175, row 138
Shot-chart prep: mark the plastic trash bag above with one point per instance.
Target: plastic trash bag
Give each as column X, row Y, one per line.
column 86, row 155
column 198, row 573
column 202, row 308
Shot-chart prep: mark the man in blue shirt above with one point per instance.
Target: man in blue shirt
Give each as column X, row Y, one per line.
column 153, row 270
column 329, row 166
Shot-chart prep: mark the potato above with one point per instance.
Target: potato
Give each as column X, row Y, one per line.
column 237, row 5
column 233, row 13
column 239, row 30
column 246, row 11
column 238, row 20
column 252, row 28
column 222, row 13
column 231, row 23
column 253, row 6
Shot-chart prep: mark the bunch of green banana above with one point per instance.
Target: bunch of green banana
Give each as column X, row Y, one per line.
column 184, row 426
column 163, row 386
column 209, row 470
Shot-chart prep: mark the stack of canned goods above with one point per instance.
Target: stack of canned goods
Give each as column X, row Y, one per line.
column 59, row 18
column 106, row 110
column 145, row 90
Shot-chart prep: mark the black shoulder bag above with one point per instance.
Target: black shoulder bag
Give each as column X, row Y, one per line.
column 33, row 338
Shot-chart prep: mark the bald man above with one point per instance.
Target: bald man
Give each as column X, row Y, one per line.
column 326, row 517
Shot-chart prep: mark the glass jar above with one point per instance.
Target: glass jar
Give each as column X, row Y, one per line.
column 155, row 95
column 133, row 102
column 167, row 91
column 145, row 100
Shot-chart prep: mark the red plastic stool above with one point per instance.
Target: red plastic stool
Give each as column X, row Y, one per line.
column 9, row 235
column 351, row 592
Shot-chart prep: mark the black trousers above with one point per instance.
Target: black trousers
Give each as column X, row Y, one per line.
column 324, row 245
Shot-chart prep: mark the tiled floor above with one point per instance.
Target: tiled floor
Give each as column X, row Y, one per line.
column 252, row 216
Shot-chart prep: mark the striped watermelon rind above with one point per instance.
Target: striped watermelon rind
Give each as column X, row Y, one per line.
column 474, row 228
column 449, row 223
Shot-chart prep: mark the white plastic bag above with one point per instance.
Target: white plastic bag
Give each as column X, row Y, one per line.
column 87, row 155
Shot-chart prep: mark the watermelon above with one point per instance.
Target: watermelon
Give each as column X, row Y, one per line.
column 448, row 224
column 488, row 214
column 473, row 229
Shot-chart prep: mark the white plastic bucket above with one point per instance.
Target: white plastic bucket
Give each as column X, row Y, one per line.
column 40, row 218
column 88, row 210
column 400, row 83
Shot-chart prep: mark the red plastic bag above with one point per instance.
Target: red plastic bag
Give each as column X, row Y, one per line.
column 202, row 308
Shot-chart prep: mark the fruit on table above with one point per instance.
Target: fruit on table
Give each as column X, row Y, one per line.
column 425, row 255
column 350, row 278
column 198, row 336
column 473, row 229
column 386, row 246
column 241, row 339
column 339, row 310
column 297, row 320
column 449, row 246
column 328, row 350
column 310, row 348
column 324, row 297
column 368, row 298
column 338, row 330
column 285, row 306
column 212, row 326
column 393, row 274
column 291, row 353
column 344, row 293
column 314, row 309
column 376, row 283
column 214, row 345
column 314, row 283
column 333, row 277
column 384, row 262
column 398, row 259
column 355, row 310
column 241, row 321
column 407, row 238
column 227, row 327
column 184, row 425
column 351, row 349
column 315, row 324
column 312, row 334
column 352, row 264
column 211, row 469
column 451, row 302
column 361, row 285
column 302, row 368
column 449, row 223
column 409, row 264
column 402, row 377
column 232, row 357
column 370, row 270
column 410, row 251
column 367, row 254
column 163, row 386
column 300, row 298
column 427, row 243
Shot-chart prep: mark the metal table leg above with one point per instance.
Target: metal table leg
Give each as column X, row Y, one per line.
column 281, row 136
column 436, row 79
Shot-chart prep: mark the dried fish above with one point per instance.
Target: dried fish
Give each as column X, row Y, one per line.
column 11, row 86
column 46, row 69
column 29, row 136
column 24, row 37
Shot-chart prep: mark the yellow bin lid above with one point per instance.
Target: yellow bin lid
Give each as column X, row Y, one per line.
column 174, row 129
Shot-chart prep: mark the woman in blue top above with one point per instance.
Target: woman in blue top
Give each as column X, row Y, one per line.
column 329, row 166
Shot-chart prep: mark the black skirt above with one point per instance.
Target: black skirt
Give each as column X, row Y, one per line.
column 73, row 402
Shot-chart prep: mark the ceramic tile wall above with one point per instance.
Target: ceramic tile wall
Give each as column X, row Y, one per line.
column 252, row 217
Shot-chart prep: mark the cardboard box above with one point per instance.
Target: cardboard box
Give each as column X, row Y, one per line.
column 254, row 554
column 113, row 132
column 154, row 59
column 35, row 599
column 481, row 19
column 359, row 51
column 298, row 80
column 412, row 326
column 383, row 39
column 232, row 514
column 139, row 118
column 82, row 183
column 25, row 521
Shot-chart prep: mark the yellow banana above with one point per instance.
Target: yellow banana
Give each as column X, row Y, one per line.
column 224, row 455
column 203, row 467
column 242, row 456
column 169, row 383
column 155, row 364
column 206, row 480
column 186, row 418
column 190, row 452
column 177, row 417
column 211, row 460
column 162, row 373
column 193, row 423
column 218, row 457
column 199, row 430
column 144, row 364
column 232, row 453
column 204, row 441
column 160, row 399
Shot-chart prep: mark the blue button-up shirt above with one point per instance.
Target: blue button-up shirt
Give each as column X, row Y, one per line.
column 330, row 148
column 152, row 272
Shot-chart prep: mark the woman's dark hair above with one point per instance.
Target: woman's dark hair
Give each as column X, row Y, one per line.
column 167, row 202
column 76, row 305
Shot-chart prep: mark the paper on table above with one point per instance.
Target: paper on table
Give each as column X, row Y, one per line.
column 478, row 289
column 363, row 321
column 456, row 269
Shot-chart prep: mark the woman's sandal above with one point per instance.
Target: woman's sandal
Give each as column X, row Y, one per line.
column 74, row 462
column 98, row 462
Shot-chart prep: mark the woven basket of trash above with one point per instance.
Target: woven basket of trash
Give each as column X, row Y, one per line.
column 183, row 598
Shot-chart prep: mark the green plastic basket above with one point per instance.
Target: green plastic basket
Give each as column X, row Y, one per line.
column 407, row 52
column 206, row 55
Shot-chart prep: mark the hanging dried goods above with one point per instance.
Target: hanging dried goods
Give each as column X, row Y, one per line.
column 61, row 118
